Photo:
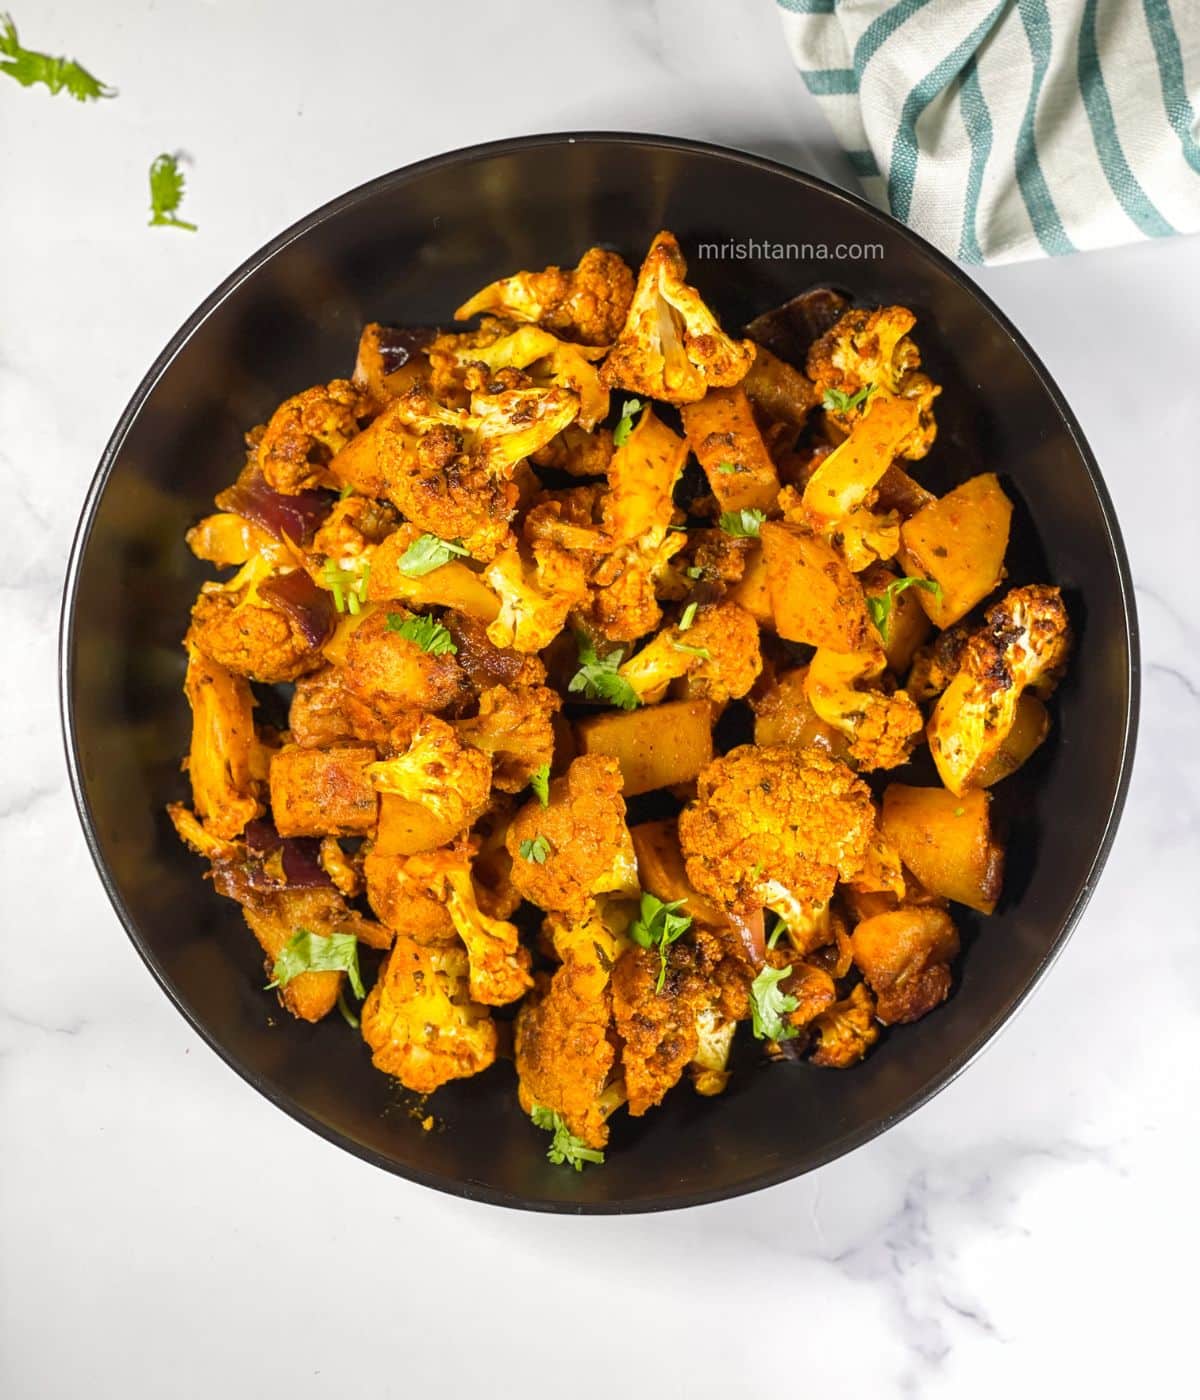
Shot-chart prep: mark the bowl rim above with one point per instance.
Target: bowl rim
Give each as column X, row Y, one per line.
column 985, row 1033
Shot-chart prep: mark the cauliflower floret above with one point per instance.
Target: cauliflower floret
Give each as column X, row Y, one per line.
column 719, row 654
column 872, row 349
column 304, row 433
column 905, row 956
column 394, row 676
column 587, row 303
column 563, row 1045
column 577, row 846
column 775, row 819
column 846, row 1031
column 499, row 964
column 534, row 600
column 419, row 1021
column 439, row 773
column 269, row 627
column 474, row 360
column 450, row 471
column 226, row 763
column 516, row 727
column 881, row 728
column 625, row 585
column 689, row 1021
column 1023, row 643
column 935, row 664
column 671, row 347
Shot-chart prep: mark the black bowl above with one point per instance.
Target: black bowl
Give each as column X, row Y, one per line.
column 408, row 248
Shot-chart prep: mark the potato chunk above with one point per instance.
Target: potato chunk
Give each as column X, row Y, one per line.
column 814, row 596
column 724, row 436
column 905, row 955
column 959, row 541
column 656, row 747
column 946, row 841
column 318, row 792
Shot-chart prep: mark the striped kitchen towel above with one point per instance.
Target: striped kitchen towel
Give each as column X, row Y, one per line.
column 1018, row 128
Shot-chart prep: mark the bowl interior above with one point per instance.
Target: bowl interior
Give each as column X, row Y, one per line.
column 408, row 249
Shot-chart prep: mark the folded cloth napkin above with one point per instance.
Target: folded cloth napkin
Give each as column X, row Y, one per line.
column 1010, row 129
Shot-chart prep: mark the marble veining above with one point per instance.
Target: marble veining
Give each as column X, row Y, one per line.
column 1027, row 1231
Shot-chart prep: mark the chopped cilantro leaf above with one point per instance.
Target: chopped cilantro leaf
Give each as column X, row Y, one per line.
column 426, row 632
column 769, row 1006
column 742, row 523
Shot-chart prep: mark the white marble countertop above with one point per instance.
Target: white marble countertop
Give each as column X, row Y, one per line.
column 1032, row 1229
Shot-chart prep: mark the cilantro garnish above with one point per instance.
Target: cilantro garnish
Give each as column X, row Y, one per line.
column 837, row 401
column 426, row 632
column 880, row 606
column 730, row 468
column 565, row 1147
column 599, row 679
column 429, row 553
column 306, row 951
column 687, row 617
column 658, row 926
column 536, row 849
column 166, row 193
column 702, row 652
column 742, row 523
column 58, row 74
column 625, row 423
column 769, row 1006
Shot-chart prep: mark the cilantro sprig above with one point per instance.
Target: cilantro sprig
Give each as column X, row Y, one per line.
column 28, row 67
column 599, row 679
column 687, row 617
column 625, row 424
column 536, row 849
column 658, row 926
column 428, row 553
column 166, row 193
column 770, row 1007
column 348, row 586
column 838, row 401
column 879, row 606
column 306, row 951
column 539, row 781
column 744, row 523
column 425, row 631
column 565, row 1146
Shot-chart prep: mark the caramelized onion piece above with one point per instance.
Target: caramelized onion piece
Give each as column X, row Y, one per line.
column 309, row 607
column 296, row 517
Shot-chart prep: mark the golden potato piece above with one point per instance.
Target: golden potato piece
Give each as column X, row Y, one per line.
column 814, row 596
column 656, row 747
column 959, row 541
column 946, row 841
column 318, row 792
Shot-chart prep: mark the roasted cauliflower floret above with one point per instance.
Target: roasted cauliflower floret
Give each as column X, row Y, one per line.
column 394, row 676
column 775, row 826
column 577, row 846
column 304, row 433
column 671, row 347
column 577, row 453
column 880, row 727
column 564, row 1043
column 439, row 773
column 499, row 964
column 419, row 1020
column 587, row 303
column 516, row 727
column 905, row 956
column 689, row 1021
column 403, row 901
column 718, row 653
column 535, row 596
column 872, row 350
column 845, row 1032
column 268, row 627
column 226, row 763
column 450, row 471
column 1023, row 643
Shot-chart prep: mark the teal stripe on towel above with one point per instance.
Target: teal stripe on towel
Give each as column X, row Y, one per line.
column 881, row 28
column 978, row 121
column 828, row 82
column 1032, row 183
column 1170, row 72
column 903, row 172
column 863, row 163
column 807, row 7
column 1121, row 179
